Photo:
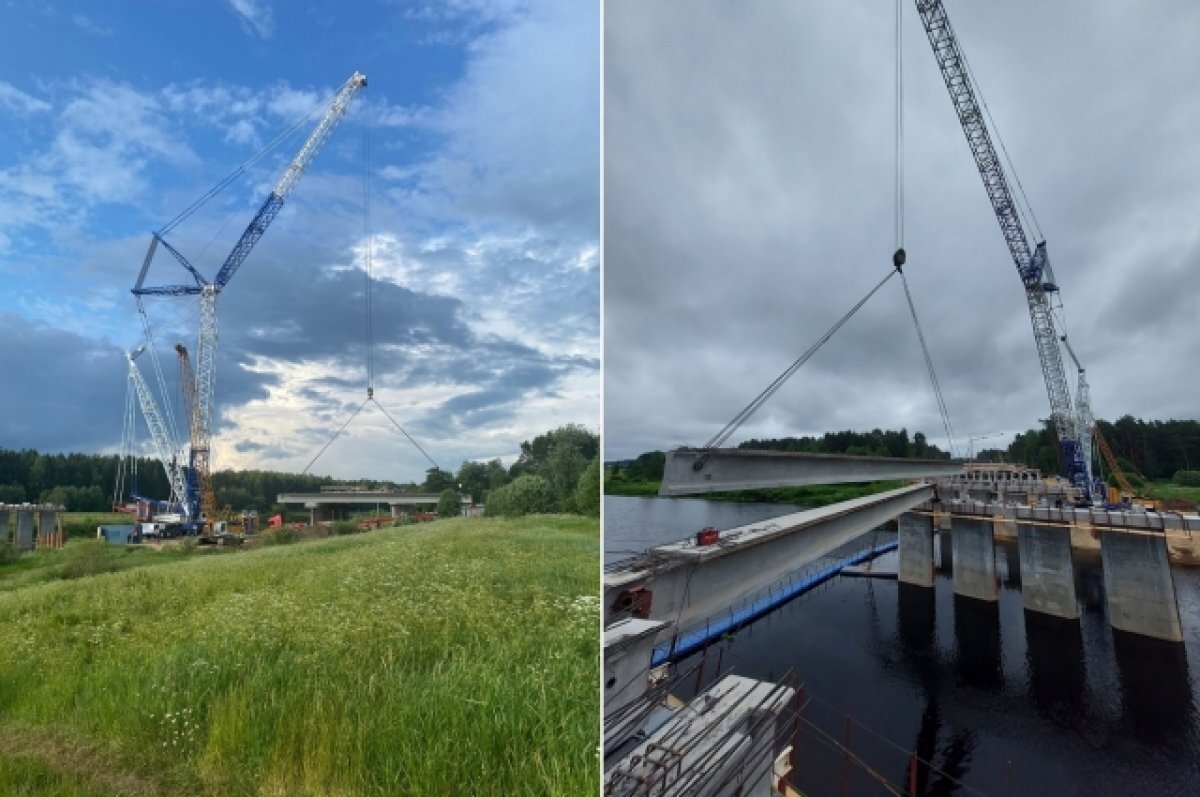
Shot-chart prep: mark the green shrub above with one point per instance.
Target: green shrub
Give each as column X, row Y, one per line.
column 7, row 553
column 526, row 495
column 1187, row 478
column 450, row 504
column 587, row 493
column 89, row 557
column 280, row 536
column 344, row 527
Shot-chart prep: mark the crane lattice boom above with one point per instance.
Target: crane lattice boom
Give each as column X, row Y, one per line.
column 270, row 207
column 202, row 385
column 158, row 430
column 1033, row 266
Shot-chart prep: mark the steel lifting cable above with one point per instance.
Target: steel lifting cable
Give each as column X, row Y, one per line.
column 899, row 257
column 406, row 434
column 1003, row 149
column 367, row 270
column 370, row 337
column 937, row 388
column 240, row 170
column 720, row 437
column 335, row 437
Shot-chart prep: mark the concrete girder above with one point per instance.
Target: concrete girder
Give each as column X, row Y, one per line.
column 685, row 582
column 726, row 469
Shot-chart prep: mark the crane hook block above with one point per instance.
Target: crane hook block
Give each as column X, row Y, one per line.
column 898, row 258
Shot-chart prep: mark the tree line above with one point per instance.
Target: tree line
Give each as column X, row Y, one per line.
column 1156, row 450
column 545, row 477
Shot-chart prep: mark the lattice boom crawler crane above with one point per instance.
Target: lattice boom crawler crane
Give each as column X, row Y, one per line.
column 200, row 413
column 1033, row 264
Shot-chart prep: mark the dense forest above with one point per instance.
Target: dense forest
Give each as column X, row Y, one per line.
column 1155, row 450
column 87, row 482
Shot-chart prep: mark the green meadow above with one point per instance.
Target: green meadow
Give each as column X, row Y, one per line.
column 456, row 657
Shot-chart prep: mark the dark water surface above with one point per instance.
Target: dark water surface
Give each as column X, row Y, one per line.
column 1003, row 702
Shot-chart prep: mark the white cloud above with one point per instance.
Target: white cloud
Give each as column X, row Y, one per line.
column 88, row 26
column 13, row 99
column 256, row 14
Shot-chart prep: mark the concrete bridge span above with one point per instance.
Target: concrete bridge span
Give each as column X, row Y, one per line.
column 333, row 505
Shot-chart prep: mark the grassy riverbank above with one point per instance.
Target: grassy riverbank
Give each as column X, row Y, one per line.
column 812, row 496
column 457, row 657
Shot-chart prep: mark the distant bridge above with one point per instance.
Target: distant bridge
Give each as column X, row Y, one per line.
column 337, row 505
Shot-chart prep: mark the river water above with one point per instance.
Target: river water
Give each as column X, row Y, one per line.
column 999, row 701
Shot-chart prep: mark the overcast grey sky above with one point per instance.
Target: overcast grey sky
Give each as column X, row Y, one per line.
column 749, row 157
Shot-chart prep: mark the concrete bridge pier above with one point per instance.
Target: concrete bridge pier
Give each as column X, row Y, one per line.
column 23, row 538
column 1138, row 583
column 974, row 552
column 916, row 549
column 47, row 523
column 1047, row 566
column 3, row 525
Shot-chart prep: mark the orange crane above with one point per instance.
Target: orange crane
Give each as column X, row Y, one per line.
column 1127, row 490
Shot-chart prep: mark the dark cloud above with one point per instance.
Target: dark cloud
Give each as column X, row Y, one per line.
column 62, row 391
column 748, row 204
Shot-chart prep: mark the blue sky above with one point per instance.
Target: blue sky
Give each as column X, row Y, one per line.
column 482, row 121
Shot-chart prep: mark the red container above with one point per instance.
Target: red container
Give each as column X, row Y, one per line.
column 707, row 536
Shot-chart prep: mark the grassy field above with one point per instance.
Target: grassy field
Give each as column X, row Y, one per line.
column 457, row 657
column 1170, row 490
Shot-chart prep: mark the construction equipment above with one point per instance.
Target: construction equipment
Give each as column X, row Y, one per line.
column 1110, row 460
column 163, row 446
column 201, row 393
column 1033, row 265
column 198, row 482
column 1084, row 421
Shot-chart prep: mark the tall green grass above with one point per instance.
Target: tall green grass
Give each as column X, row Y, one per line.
column 458, row 657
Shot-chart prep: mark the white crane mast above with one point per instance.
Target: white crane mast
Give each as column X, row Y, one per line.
column 158, row 431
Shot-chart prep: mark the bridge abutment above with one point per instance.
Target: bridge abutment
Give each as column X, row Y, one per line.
column 974, row 553
column 916, row 549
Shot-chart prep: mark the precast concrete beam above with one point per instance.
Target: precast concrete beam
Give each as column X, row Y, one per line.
column 628, row 649
column 974, row 551
column 691, row 471
column 916, row 549
column 1047, row 569
column 685, row 582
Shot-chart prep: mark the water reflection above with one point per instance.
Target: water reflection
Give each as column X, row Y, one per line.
column 1055, row 657
column 977, row 642
column 1012, row 565
column 1156, row 697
